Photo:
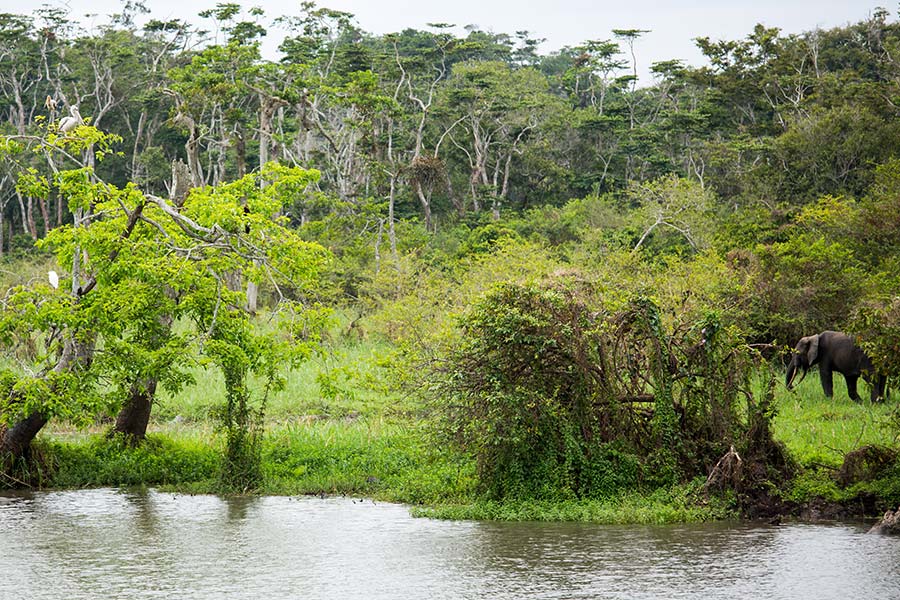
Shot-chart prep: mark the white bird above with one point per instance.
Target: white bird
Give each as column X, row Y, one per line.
column 54, row 279
column 67, row 124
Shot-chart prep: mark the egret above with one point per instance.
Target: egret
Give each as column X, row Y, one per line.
column 54, row 279
column 50, row 103
column 67, row 124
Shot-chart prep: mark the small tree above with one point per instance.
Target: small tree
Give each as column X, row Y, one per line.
column 133, row 263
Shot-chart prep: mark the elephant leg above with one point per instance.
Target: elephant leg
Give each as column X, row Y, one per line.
column 878, row 385
column 851, row 387
column 825, row 375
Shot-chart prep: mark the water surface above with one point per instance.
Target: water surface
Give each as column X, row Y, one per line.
column 125, row 544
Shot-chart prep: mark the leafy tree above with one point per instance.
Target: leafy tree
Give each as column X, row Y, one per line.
column 138, row 262
column 676, row 204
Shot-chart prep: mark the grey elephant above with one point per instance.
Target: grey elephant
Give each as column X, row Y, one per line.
column 835, row 351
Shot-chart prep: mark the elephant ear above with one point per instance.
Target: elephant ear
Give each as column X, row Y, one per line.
column 813, row 352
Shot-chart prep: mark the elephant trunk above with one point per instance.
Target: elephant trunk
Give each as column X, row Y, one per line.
column 795, row 366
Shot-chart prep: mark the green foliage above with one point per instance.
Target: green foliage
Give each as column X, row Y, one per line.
column 752, row 199
column 373, row 458
column 486, row 239
column 800, row 286
column 821, row 431
column 553, row 387
column 878, row 326
column 113, row 461
column 663, row 506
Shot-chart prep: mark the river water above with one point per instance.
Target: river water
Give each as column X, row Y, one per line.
column 125, row 544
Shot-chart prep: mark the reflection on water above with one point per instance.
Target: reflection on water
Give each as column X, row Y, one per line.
column 146, row 544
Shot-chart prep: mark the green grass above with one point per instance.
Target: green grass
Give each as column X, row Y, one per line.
column 370, row 457
column 820, row 431
column 374, row 458
column 23, row 270
column 346, row 380
column 679, row 504
column 97, row 461
column 338, row 429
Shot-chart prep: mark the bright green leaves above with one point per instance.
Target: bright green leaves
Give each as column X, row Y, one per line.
column 31, row 183
column 69, row 395
column 153, row 288
column 545, row 379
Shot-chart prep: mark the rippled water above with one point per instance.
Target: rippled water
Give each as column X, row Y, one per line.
column 123, row 544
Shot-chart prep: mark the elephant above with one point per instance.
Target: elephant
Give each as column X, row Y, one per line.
column 835, row 351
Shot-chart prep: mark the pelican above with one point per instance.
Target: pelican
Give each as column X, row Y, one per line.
column 54, row 279
column 67, row 124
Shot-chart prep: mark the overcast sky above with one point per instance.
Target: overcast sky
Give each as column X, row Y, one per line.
column 673, row 24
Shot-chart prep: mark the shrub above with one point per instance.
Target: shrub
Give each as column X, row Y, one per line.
column 558, row 393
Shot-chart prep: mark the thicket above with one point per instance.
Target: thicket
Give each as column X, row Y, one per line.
column 562, row 390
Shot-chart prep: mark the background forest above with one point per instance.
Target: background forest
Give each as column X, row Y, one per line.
column 758, row 195
column 777, row 156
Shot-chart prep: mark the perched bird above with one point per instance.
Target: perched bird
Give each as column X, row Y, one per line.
column 67, row 124
column 50, row 103
column 54, row 279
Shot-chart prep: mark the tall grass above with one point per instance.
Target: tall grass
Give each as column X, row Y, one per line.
column 678, row 504
column 98, row 461
column 22, row 270
column 376, row 458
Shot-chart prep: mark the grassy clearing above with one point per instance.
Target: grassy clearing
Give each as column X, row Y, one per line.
column 375, row 458
column 680, row 504
column 345, row 380
column 819, row 431
column 369, row 457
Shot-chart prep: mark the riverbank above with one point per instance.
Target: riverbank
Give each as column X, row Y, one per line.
column 373, row 459
column 393, row 458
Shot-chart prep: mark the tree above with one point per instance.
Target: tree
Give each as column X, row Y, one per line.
column 676, row 204
column 499, row 110
column 139, row 261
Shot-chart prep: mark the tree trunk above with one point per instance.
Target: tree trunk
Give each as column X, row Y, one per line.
column 252, row 295
column 240, row 148
column 134, row 417
column 29, row 215
column 45, row 215
column 426, row 205
column 22, row 211
column 16, row 442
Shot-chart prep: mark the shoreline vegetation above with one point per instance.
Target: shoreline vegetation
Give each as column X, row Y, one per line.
column 366, row 447
column 447, row 270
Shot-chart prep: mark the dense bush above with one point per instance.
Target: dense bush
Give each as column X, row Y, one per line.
column 560, row 391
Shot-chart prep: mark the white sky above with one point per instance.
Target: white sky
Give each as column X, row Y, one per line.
column 673, row 25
